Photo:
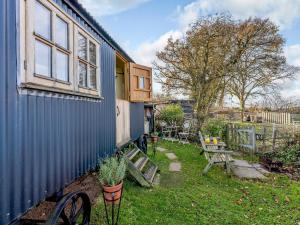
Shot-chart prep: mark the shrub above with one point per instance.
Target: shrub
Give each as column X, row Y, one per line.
column 112, row 171
column 289, row 154
column 172, row 113
column 214, row 128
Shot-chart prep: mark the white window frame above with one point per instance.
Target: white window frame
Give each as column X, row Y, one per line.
column 86, row 89
column 27, row 77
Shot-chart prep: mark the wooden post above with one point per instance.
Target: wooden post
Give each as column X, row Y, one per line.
column 264, row 138
column 274, row 140
column 253, row 140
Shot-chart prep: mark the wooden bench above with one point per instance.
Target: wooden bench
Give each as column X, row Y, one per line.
column 216, row 154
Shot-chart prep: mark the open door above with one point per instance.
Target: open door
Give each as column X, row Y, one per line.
column 140, row 83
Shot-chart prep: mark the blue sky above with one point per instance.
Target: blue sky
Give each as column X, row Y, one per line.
column 142, row 27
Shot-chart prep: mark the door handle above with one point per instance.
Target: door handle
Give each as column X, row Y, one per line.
column 118, row 111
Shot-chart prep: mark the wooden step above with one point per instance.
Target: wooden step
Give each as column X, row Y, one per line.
column 130, row 155
column 150, row 173
column 141, row 162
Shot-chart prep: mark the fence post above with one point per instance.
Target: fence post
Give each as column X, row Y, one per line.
column 264, row 138
column 274, row 140
column 254, row 139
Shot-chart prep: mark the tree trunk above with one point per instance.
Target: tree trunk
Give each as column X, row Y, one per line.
column 200, row 115
column 242, row 110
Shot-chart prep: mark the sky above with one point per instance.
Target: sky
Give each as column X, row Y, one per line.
column 142, row 27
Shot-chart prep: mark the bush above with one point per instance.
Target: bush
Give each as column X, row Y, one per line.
column 172, row 114
column 287, row 154
column 112, row 171
column 214, row 128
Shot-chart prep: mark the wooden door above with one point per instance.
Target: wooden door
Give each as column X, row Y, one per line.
column 123, row 121
column 140, row 83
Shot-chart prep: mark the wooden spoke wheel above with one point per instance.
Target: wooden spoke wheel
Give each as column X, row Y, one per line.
column 72, row 209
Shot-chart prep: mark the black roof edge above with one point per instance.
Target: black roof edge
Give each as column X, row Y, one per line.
column 84, row 14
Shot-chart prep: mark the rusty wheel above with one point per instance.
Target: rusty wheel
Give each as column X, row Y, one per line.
column 72, row 209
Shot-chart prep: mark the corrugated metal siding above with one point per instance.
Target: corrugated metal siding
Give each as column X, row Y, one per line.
column 136, row 120
column 47, row 141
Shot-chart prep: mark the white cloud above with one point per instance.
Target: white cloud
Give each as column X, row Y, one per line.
column 291, row 88
column 282, row 12
column 145, row 54
column 100, row 8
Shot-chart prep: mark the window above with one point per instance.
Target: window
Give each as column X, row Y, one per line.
column 58, row 54
column 141, row 83
column 42, row 59
column 87, row 65
column 45, row 64
column 42, row 21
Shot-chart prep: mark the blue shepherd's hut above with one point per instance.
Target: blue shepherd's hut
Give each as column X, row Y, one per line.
column 69, row 95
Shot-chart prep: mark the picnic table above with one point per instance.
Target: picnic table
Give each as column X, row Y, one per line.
column 215, row 154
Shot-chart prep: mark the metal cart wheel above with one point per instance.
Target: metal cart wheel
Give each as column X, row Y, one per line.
column 72, row 209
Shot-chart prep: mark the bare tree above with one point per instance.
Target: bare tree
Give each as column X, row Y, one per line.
column 197, row 64
column 260, row 62
column 277, row 102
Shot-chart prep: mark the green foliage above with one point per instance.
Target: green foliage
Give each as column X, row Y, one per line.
column 214, row 128
column 286, row 154
column 172, row 113
column 112, row 171
column 216, row 199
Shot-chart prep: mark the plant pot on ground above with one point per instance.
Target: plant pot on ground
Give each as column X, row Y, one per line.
column 111, row 174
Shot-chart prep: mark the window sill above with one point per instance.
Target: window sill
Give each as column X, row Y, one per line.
column 58, row 90
column 52, row 79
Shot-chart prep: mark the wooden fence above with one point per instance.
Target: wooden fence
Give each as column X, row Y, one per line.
column 260, row 138
column 276, row 117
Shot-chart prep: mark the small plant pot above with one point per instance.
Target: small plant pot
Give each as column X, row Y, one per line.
column 112, row 195
column 154, row 139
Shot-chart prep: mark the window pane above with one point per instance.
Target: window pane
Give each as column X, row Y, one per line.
column 61, row 33
column 42, row 21
column 93, row 80
column 93, row 53
column 82, row 74
column 82, row 47
column 42, row 59
column 141, row 82
column 62, row 68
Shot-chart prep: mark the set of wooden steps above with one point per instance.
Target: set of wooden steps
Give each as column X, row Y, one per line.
column 140, row 166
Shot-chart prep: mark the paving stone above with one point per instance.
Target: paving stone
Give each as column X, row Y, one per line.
column 171, row 156
column 175, row 167
column 161, row 149
column 156, row 180
column 261, row 168
column 242, row 169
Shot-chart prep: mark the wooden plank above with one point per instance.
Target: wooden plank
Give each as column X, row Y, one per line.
column 138, row 94
column 123, row 121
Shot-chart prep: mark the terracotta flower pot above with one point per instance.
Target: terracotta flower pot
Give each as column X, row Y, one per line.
column 154, row 139
column 112, row 194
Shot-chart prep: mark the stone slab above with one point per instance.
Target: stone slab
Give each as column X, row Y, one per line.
column 242, row 169
column 161, row 149
column 171, row 156
column 156, row 180
column 261, row 168
column 175, row 167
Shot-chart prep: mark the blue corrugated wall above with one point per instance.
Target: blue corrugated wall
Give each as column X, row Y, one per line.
column 136, row 120
column 47, row 141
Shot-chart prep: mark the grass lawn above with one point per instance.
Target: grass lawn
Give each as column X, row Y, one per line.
column 188, row 198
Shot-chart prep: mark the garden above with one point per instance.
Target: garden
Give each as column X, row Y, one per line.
column 187, row 196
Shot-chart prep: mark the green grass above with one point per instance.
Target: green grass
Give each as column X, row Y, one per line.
column 188, row 198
